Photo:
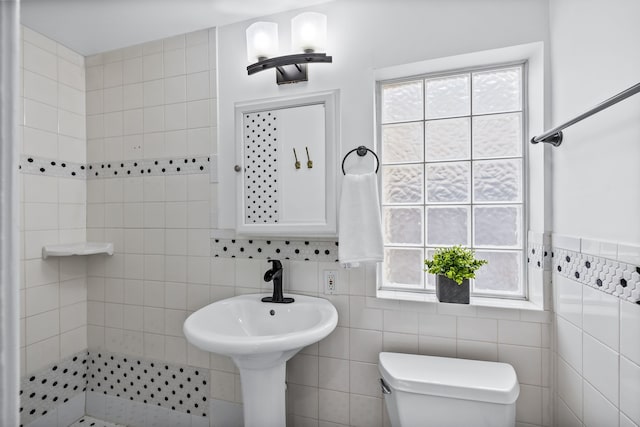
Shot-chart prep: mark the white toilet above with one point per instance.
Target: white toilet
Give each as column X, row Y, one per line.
column 422, row 391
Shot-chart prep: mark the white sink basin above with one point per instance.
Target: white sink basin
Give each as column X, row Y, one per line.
column 260, row 337
column 244, row 325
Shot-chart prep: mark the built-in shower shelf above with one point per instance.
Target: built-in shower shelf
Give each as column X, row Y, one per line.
column 84, row 248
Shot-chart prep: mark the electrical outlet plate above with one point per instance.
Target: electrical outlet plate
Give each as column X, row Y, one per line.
column 330, row 282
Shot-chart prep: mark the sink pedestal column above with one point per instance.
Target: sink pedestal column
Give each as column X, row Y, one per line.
column 263, row 395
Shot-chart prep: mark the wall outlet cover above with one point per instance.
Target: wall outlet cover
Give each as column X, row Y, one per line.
column 330, row 282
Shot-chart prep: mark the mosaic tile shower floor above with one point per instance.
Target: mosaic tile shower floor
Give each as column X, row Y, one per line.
column 94, row 422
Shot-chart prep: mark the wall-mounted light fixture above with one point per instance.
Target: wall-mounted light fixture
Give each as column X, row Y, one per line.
column 308, row 36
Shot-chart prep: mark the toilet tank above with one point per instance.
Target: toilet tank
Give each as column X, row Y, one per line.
column 422, row 391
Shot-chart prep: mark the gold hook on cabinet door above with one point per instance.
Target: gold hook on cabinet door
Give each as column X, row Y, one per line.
column 297, row 164
column 309, row 162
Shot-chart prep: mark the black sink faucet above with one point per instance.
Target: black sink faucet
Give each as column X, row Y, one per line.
column 275, row 274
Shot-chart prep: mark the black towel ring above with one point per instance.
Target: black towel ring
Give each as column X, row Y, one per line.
column 361, row 151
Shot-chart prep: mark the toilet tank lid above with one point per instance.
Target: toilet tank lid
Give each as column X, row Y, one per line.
column 448, row 377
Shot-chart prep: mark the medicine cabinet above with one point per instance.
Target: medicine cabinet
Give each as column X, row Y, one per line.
column 286, row 165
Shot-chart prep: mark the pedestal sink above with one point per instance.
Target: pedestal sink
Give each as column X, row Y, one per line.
column 260, row 337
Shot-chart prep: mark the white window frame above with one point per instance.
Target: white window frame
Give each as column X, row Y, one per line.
column 535, row 167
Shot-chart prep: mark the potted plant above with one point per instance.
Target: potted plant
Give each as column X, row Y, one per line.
column 453, row 267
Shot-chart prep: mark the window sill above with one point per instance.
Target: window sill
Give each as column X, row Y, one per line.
column 475, row 301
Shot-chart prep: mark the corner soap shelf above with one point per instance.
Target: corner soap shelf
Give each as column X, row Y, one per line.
column 85, row 248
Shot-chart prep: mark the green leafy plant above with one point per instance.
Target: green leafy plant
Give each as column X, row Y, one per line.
column 457, row 263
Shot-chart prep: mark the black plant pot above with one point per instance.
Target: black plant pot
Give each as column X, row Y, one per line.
column 448, row 290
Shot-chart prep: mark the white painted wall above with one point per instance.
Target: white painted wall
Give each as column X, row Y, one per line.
column 364, row 36
column 594, row 55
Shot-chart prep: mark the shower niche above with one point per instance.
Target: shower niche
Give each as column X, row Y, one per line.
column 286, row 166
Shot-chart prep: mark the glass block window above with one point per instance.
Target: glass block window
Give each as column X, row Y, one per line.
column 453, row 173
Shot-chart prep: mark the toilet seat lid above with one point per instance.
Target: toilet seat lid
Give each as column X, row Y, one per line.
column 448, row 377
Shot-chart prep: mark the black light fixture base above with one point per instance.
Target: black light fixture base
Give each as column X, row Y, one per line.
column 291, row 74
column 289, row 68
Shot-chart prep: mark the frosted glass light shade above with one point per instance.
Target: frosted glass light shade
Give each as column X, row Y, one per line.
column 262, row 41
column 309, row 32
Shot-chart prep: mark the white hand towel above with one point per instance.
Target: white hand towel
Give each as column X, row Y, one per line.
column 359, row 229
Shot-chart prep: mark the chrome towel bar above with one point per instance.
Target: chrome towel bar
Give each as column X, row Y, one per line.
column 554, row 136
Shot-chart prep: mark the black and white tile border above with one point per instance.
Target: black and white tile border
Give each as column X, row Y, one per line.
column 149, row 167
column 303, row 250
column 118, row 169
column 38, row 166
column 179, row 388
column 539, row 256
column 45, row 390
column 613, row 277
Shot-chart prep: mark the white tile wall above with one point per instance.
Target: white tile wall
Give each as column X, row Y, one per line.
column 629, row 389
column 569, row 343
column 54, row 211
column 595, row 381
column 629, row 332
column 569, row 386
column 600, row 367
column 568, row 299
column 598, row 411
